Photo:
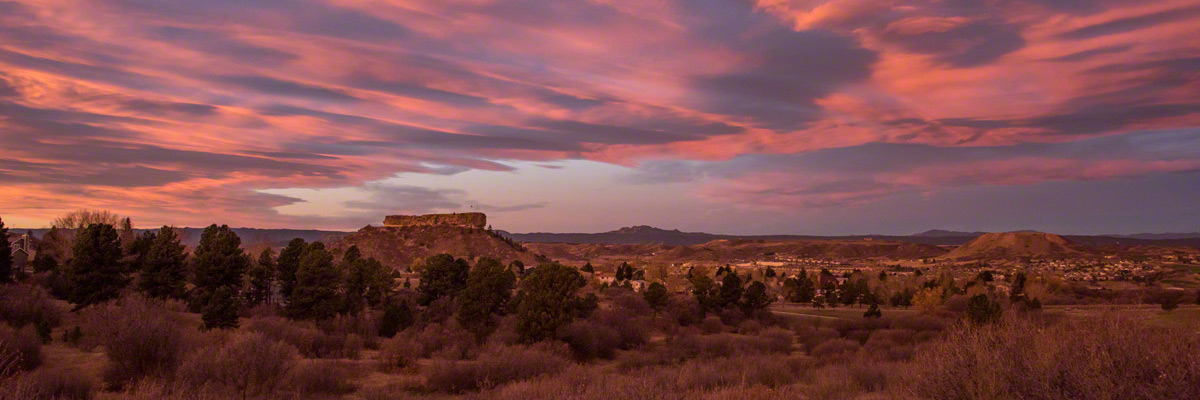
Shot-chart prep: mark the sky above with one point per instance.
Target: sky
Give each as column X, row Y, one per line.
column 728, row 116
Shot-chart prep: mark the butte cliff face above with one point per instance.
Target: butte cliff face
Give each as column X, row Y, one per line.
column 405, row 239
column 467, row 220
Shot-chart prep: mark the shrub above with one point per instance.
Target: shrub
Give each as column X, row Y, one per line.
column 249, row 364
column 1107, row 357
column 321, row 377
column 22, row 305
column 495, row 366
column 589, row 340
column 60, row 384
column 834, row 347
column 398, row 353
column 24, row 344
column 810, row 337
column 140, row 338
column 712, row 324
column 447, row 340
column 306, row 338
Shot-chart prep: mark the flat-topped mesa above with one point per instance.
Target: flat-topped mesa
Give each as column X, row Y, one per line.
column 470, row 220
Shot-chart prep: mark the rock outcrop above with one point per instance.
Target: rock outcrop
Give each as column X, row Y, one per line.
column 405, row 239
column 475, row 220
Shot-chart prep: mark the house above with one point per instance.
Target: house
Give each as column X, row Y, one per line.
column 22, row 251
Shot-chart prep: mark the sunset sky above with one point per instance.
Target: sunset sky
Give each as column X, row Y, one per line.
column 728, row 116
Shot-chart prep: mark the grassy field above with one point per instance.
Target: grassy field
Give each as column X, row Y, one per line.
column 1186, row 316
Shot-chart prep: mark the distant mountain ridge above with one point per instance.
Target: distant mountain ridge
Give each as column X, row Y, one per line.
column 643, row 234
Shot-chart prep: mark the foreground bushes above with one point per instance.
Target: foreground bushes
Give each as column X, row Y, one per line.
column 21, row 349
column 495, row 366
column 307, row 338
column 22, row 305
column 1109, row 357
column 141, row 337
column 248, row 365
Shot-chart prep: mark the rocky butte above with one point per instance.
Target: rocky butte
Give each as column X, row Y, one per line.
column 467, row 220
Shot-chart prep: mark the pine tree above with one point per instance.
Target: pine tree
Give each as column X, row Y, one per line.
column 731, row 290
column 982, row 310
column 259, row 279
column 443, row 276
column 6, row 258
column 656, row 296
column 588, row 268
column 367, row 282
column 873, row 312
column 315, row 295
column 95, row 273
column 217, row 262
column 289, row 262
column 706, row 291
column 548, row 301
column 489, row 287
column 755, row 298
column 396, row 316
column 164, row 274
column 221, row 310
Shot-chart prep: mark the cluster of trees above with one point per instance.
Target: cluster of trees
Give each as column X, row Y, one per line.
column 217, row 279
column 6, row 258
column 731, row 292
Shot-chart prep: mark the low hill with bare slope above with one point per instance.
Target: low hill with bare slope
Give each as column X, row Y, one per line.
column 727, row 250
column 398, row 246
column 1011, row 245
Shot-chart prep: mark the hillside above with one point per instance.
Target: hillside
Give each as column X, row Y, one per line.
column 399, row 246
column 728, row 250
column 1010, row 245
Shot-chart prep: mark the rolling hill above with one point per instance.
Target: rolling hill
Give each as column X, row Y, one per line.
column 1012, row 245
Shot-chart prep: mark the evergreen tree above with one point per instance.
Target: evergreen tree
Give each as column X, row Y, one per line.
column 317, row 282
column 588, row 268
column 489, row 288
column 982, row 310
column 656, row 295
column 259, row 279
column 95, row 273
column 1018, row 288
column 6, row 258
column 164, row 274
column 873, row 312
column 367, row 282
column 770, row 273
column 217, row 262
column 397, row 315
column 548, row 301
column 706, row 292
column 44, row 262
column 443, row 276
column 221, row 310
column 799, row 289
column 755, row 298
column 289, row 262
column 731, row 289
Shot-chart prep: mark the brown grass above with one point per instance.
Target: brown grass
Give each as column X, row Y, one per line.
column 1110, row 357
column 495, row 366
